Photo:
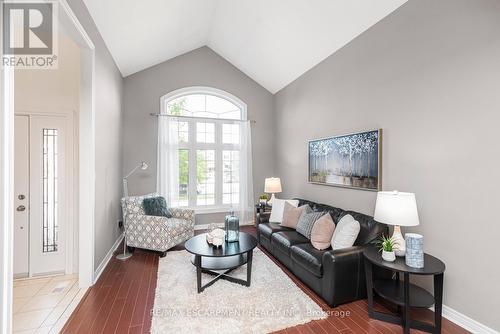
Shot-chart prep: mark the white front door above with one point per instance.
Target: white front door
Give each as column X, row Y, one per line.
column 21, row 193
column 41, row 198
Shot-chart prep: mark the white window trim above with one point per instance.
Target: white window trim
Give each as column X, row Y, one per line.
column 206, row 91
column 192, row 145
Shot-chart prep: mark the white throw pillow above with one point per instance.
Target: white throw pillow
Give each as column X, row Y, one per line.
column 279, row 207
column 345, row 233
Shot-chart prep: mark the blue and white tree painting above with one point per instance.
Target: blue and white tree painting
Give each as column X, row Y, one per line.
column 348, row 161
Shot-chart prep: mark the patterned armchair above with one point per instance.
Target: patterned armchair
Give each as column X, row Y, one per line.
column 153, row 232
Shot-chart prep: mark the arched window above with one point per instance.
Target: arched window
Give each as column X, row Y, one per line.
column 202, row 148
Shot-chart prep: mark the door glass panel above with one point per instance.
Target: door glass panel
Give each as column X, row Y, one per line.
column 49, row 216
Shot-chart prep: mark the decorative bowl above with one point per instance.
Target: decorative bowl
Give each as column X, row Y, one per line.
column 216, row 237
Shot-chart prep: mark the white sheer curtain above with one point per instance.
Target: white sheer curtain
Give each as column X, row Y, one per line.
column 168, row 156
column 245, row 210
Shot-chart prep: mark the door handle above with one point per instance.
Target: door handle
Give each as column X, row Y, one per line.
column 21, row 208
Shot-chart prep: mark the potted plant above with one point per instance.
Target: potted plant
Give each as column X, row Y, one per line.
column 386, row 246
column 263, row 199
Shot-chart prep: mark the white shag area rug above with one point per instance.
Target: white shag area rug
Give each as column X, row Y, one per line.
column 272, row 302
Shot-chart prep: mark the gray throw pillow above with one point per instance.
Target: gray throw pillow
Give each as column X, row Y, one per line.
column 306, row 222
column 156, row 206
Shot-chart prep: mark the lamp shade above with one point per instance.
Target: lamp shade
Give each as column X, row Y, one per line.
column 272, row 185
column 396, row 208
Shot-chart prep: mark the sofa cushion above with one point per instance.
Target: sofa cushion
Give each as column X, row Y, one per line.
column 308, row 258
column 286, row 239
column 345, row 233
column 269, row 228
column 291, row 215
column 279, row 207
column 322, row 232
column 306, row 222
column 370, row 229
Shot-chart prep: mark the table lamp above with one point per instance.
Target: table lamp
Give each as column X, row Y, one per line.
column 272, row 185
column 397, row 209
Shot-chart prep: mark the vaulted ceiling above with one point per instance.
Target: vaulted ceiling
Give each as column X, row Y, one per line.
column 272, row 41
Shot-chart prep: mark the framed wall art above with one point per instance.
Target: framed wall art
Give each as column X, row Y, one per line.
column 351, row 161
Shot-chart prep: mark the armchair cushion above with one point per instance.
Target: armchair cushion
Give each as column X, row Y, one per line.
column 156, row 206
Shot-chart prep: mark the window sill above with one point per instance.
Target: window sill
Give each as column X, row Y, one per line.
column 220, row 209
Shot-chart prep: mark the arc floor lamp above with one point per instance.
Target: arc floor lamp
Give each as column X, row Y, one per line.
column 142, row 166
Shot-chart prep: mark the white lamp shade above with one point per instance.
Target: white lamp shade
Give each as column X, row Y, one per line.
column 396, row 208
column 272, row 185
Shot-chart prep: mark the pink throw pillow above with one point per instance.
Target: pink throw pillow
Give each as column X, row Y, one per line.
column 322, row 232
column 291, row 215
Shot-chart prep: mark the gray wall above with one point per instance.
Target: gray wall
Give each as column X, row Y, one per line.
column 108, row 135
column 201, row 67
column 429, row 76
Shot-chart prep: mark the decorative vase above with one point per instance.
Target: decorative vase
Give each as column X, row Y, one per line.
column 388, row 256
column 232, row 227
column 414, row 250
column 263, row 201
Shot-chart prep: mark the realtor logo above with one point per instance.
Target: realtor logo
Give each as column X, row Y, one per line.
column 29, row 34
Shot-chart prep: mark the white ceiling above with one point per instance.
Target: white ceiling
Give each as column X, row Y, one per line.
column 272, row 41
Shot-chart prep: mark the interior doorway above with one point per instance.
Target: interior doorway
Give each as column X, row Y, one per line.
column 85, row 136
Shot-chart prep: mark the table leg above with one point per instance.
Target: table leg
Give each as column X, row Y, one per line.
column 369, row 286
column 197, row 263
column 438, row 302
column 406, row 311
column 398, row 306
column 249, row 267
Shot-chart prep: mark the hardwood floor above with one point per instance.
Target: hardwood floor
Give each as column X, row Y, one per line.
column 121, row 300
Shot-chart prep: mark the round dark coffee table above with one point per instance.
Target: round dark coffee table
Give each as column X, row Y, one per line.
column 220, row 261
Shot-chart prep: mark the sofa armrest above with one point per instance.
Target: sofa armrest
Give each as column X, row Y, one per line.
column 345, row 275
column 181, row 213
column 263, row 217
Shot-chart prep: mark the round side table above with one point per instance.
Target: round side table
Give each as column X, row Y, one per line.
column 404, row 294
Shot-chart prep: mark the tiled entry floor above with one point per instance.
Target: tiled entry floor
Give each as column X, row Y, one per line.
column 43, row 305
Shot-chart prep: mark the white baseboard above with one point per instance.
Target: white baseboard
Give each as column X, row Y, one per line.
column 465, row 322
column 107, row 258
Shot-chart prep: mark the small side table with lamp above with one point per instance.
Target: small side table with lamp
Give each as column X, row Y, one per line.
column 400, row 209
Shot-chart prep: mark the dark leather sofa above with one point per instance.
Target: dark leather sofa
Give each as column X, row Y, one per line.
column 337, row 276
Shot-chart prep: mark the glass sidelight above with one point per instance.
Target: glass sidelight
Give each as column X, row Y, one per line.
column 49, row 213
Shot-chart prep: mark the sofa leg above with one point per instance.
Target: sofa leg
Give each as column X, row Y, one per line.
column 163, row 254
column 130, row 249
